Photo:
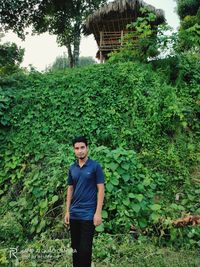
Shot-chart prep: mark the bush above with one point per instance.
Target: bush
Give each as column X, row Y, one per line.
column 11, row 234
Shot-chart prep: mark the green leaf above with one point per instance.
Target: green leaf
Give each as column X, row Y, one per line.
column 109, row 187
column 22, row 202
column 146, row 181
column 32, row 229
column 126, row 202
column 140, row 187
column 100, row 228
column 127, row 213
column 126, row 177
column 54, row 199
column 104, row 214
column 155, row 207
column 136, row 207
column 41, row 226
column 143, row 222
column 113, row 166
column 139, row 197
column 43, row 204
column 120, row 171
column 114, row 181
column 13, row 203
column 131, row 195
column 180, row 207
column 155, row 217
column 38, row 192
column 125, row 166
column 174, row 206
column 198, row 211
column 34, row 221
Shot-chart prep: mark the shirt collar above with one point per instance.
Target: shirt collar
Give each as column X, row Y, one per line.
column 86, row 163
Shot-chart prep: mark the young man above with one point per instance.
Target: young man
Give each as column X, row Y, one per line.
column 85, row 196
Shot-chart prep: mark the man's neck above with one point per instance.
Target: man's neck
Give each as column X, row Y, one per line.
column 81, row 162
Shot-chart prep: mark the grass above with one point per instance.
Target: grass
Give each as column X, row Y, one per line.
column 108, row 251
column 124, row 252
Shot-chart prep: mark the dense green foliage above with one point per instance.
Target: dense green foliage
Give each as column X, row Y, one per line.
column 144, row 132
column 189, row 32
column 187, row 7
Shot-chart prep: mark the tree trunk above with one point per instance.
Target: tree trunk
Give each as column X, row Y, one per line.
column 70, row 55
column 77, row 38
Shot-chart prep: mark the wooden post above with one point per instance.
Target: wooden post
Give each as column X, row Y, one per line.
column 100, row 46
column 101, row 57
column 122, row 35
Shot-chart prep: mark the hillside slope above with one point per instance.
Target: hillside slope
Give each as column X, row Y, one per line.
column 143, row 131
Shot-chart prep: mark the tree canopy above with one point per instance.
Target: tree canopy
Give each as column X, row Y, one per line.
column 62, row 62
column 187, row 7
column 189, row 32
column 10, row 57
column 59, row 17
column 10, row 54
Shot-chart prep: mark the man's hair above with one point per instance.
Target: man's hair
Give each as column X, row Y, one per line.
column 79, row 139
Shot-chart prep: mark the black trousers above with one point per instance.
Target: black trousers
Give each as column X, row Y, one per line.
column 82, row 233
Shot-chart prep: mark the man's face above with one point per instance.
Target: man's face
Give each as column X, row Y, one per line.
column 80, row 150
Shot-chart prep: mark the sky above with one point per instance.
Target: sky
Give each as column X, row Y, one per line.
column 41, row 50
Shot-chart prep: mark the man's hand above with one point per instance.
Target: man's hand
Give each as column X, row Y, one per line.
column 67, row 217
column 97, row 220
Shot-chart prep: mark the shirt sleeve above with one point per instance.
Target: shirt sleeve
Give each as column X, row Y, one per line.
column 69, row 180
column 100, row 178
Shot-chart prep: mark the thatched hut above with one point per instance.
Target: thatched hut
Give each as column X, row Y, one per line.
column 108, row 24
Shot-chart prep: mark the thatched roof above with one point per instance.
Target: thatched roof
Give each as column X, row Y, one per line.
column 116, row 15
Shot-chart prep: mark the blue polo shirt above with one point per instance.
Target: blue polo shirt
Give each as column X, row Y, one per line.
column 84, row 180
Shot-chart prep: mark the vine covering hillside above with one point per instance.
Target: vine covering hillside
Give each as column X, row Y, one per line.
column 143, row 131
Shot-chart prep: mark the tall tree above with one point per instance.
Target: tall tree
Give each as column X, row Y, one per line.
column 63, row 18
column 10, row 54
column 62, row 62
column 189, row 32
column 187, row 8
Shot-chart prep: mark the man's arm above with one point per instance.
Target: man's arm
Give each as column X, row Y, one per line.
column 70, row 190
column 100, row 197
